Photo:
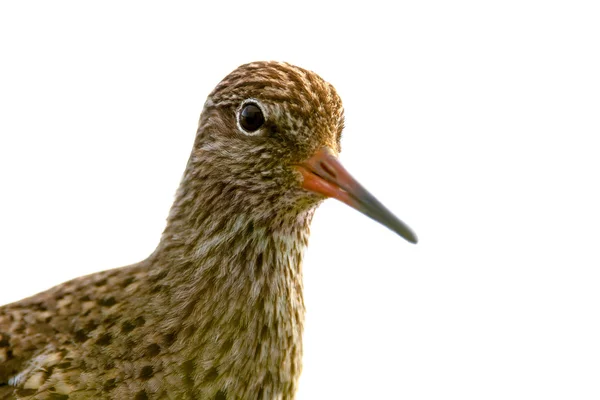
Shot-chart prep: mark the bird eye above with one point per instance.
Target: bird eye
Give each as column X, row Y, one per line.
column 251, row 117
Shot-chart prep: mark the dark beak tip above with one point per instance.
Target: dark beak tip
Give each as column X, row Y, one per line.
column 410, row 237
column 398, row 227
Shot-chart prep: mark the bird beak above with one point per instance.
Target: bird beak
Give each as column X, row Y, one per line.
column 324, row 174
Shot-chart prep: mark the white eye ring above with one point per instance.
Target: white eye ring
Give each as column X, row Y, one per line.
column 248, row 120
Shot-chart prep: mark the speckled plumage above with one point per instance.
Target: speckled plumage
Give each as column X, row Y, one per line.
column 216, row 312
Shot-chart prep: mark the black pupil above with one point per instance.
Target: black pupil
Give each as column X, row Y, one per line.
column 251, row 118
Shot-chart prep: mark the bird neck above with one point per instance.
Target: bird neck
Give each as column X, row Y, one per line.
column 236, row 290
column 224, row 257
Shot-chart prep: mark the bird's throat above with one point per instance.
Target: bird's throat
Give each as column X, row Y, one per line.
column 239, row 297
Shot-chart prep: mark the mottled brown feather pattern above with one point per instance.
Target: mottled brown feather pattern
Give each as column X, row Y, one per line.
column 216, row 312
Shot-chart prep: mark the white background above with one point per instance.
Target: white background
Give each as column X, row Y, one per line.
column 476, row 122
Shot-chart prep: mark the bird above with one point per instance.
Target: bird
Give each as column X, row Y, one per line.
column 216, row 311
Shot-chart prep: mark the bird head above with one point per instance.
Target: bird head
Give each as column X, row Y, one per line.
column 267, row 144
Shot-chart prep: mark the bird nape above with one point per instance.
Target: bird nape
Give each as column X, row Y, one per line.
column 217, row 311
